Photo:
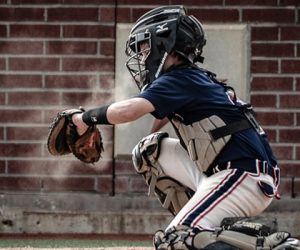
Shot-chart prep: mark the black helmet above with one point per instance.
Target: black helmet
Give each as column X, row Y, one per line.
column 164, row 29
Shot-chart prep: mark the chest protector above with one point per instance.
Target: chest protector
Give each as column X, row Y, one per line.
column 200, row 144
column 205, row 139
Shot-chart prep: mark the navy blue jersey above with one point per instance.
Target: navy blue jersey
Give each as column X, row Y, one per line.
column 191, row 93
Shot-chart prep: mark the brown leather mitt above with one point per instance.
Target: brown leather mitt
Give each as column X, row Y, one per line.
column 63, row 138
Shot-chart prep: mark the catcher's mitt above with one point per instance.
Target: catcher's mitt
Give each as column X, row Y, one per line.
column 64, row 139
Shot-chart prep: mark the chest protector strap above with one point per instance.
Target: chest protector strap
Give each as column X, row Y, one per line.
column 201, row 146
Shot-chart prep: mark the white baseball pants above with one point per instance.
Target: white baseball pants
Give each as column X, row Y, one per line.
column 228, row 193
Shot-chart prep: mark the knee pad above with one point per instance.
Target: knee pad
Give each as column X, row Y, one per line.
column 171, row 193
column 145, row 154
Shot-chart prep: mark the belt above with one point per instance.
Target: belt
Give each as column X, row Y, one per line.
column 254, row 166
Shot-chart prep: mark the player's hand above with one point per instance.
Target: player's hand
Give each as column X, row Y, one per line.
column 81, row 127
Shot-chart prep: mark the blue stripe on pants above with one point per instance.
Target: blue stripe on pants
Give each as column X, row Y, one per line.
column 218, row 193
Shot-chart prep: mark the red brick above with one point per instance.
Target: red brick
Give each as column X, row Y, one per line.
column 278, row 15
column 273, row 50
column 88, row 31
column 3, row 31
column 272, row 84
column 124, row 15
column 2, row 167
column 122, row 185
column 289, row 135
column 297, row 152
column 290, row 32
column 283, row 152
column 290, row 101
column 296, row 187
column 84, row 99
column 78, row 99
column 98, row 2
column 290, row 66
column 124, row 167
column 264, row 33
column 104, row 98
column 27, row 133
column 107, row 14
column 2, row 99
column 107, row 82
column 68, row 184
column 216, row 15
column 24, row 2
column 88, row 64
column 20, row 183
column 71, row 48
column 297, row 119
column 104, row 184
column 2, row 63
column 252, row 2
column 36, row 167
column 289, row 169
column 34, row 64
column 20, row 116
column 1, row 135
column 11, row 47
column 298, row 84
column 275, row 119
column 107, row 48
column 21, row 14
column 264, row 66
column 263, row 100
column 71, row 81
column 33, row 98
column 72, row 14
column 285, row 187
column 198, row 3
column 34, row 31
column 271, row 134
column 146, row 2
column 20, row 150
column 18, row 81
column 138, row 184
column 289, row 2
column 56, row 167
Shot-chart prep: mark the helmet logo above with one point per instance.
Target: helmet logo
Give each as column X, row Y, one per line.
column 161, row 28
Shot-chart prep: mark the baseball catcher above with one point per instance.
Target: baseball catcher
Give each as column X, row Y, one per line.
column 221, row 165
column 64, row 138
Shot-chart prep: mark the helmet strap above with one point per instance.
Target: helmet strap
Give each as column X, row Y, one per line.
column 160, row 67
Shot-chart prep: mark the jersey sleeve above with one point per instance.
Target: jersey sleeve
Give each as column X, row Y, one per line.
column 166, row 95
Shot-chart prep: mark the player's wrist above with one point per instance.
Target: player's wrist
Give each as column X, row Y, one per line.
column 96, row 116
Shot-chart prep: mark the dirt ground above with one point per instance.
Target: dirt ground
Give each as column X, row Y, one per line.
column 98, row 248
column 87, row 238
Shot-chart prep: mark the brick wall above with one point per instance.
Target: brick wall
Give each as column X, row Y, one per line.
column 56, row 54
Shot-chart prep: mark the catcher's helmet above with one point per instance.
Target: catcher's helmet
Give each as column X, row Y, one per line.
column 164, row 29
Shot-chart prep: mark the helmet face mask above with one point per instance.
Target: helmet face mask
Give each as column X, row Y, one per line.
column 164, row 29
column 138, row 49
